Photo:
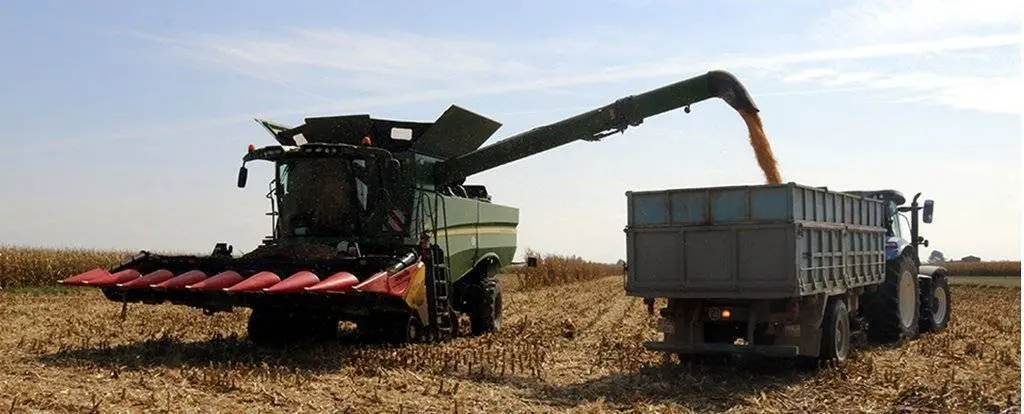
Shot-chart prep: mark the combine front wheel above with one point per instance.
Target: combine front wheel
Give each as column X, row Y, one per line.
column 402, row 328
column 268, row 325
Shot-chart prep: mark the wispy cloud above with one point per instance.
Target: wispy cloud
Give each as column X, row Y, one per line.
column 455, row 64
column 997, row 94
column 886, row 20
column 411, row 69
column 403, row 69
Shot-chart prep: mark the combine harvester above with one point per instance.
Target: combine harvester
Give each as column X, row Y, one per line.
column 372, row 223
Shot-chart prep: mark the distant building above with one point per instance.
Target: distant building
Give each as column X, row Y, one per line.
column 971, row 259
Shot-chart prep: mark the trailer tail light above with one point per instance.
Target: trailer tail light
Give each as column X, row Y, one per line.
column 726, row 314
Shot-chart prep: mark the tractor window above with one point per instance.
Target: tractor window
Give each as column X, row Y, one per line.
column 894, row 226
column 904, row 227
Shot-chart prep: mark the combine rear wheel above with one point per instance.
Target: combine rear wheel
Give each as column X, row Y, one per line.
column 936, row 316
column 894, row 312
column 485, row 303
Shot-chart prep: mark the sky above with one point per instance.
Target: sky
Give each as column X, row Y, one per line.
column 126, row 121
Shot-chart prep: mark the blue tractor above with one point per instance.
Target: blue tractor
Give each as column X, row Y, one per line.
column 914, row 298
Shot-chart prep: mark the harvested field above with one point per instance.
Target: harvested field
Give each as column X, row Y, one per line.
column 993, row 268
column 569, row 347
column 985, row 280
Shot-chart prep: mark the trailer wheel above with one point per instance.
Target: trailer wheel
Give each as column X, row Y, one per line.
column 835, row 332
column 936, row 317
column 894, row 312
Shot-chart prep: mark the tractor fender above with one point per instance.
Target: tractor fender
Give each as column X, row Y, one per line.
column 931, row 271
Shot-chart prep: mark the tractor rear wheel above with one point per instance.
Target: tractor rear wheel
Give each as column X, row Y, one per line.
column 936, row 316
column 894, row 312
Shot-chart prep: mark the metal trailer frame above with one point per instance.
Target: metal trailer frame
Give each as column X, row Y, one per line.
column 751, row 269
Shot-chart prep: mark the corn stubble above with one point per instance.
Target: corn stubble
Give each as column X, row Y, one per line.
column 565, row 345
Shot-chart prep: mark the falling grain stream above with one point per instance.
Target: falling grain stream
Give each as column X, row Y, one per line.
column 762, row 148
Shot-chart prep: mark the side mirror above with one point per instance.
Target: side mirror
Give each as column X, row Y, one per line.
column 531, row 262
column 929, row 208
column 243, row 175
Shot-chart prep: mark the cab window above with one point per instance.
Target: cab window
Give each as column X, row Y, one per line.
column 904, row 227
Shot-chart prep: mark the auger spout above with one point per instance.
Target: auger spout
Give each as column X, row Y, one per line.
column 598, row 123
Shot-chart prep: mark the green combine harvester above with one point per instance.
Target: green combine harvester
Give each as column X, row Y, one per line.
column 373, row 223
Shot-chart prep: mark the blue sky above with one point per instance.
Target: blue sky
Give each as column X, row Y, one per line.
column 125, row 121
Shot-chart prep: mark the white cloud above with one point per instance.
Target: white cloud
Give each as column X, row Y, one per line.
column 400, row 69
column 887, row 20
column 402, row 61
column 809, row 74
column 997, row 94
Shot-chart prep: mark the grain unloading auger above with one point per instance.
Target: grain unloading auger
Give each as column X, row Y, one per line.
column 372, row 223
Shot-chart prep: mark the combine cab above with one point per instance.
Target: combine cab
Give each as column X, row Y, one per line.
column 372, row 223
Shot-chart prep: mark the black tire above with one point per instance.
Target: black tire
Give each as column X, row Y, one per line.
column 887, row 322
column 274, row 326
column 835, row 332
column 486, row 304
column 935, row 316
column 264, row 326
column 404, row 329
column 392, row 328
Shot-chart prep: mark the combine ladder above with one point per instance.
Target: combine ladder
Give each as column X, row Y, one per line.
column 442, row 323
column 442, row 317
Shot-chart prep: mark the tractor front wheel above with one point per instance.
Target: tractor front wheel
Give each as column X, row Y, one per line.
column 936, row 317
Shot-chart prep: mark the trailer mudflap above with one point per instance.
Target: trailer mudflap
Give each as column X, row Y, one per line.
column 782, row 351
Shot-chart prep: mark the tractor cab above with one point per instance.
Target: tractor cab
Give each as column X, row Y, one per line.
column 901, row 231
